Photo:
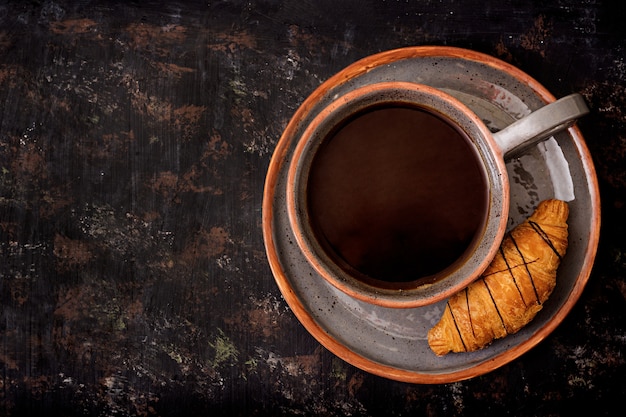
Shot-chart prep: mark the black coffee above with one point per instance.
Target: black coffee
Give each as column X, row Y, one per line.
column 397, row 194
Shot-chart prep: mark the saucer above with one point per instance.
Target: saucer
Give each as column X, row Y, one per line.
column 392, row 343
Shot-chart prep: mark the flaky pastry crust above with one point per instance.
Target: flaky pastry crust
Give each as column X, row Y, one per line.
column 512, row 289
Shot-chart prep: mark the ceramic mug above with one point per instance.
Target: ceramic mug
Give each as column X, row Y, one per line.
column 398, row 194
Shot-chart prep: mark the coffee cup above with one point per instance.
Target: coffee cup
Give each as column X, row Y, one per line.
column 398, row 194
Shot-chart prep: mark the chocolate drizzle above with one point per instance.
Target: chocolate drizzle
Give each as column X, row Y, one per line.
column 516, row 283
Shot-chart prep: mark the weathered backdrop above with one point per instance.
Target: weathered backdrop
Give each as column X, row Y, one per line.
column 134, row 142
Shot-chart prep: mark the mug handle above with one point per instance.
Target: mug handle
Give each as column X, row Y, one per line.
column 540, row 124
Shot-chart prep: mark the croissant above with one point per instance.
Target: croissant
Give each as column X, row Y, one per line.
column 511, row 290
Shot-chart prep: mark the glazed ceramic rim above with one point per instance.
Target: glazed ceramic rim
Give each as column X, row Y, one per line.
column 352, row 71
column 483, row 247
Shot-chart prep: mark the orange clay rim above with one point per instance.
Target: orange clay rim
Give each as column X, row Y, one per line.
column 450, row 280
column 350, row 72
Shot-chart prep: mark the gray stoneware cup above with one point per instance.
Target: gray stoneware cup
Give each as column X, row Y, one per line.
column 492, row 149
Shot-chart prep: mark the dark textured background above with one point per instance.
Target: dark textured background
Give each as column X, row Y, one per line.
column 134, row 142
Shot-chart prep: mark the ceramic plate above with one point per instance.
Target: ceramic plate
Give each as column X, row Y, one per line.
column 392, row 342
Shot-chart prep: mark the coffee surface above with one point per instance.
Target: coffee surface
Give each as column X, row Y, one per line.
column 397, row 193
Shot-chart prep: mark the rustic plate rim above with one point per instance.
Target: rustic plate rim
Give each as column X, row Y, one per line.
column 293, row 300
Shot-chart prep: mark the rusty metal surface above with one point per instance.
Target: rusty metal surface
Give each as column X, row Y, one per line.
column 134, row 142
